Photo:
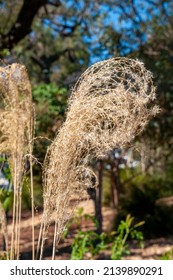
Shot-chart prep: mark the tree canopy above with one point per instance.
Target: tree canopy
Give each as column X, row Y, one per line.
column 58, row 38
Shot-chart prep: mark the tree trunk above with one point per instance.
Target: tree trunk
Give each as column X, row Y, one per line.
column 114, row 184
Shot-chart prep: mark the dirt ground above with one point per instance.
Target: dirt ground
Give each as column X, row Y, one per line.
column 152, row 248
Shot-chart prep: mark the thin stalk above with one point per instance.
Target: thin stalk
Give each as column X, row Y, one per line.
column 54, row 242
column 17, row 225
column 39, row 240
column 19, row 222
column 42, row 241
column 18, row 186
column 32, row 205
column 14, row 214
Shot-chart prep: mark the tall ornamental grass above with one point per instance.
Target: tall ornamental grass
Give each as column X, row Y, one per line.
column 110, row 104
column 16, row 134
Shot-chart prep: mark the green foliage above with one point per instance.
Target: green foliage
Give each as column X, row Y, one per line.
column 87, row 242
column 3, row 256
column 168, row 255
column 125, row 230
column 50, row 105
column 8, row 14
column 51, row 102
column 77, row 220
column 139, row 197
column 93, row 243
column 6, row 198
column 84, row 241
column 6, row 195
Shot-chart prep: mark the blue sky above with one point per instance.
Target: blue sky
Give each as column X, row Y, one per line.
column 119, row 17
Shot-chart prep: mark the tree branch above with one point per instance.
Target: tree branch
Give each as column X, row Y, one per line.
column 23, row 25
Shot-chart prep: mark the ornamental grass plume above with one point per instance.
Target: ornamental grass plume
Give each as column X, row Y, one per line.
column 16, row 134
column 110, row 104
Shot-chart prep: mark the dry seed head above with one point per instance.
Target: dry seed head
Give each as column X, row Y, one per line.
column 16, row 122
column 110, row 104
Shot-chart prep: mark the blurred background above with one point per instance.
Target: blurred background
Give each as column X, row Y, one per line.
column 57, row 40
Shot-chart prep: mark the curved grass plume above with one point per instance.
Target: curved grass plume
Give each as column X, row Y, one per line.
column 110, row 104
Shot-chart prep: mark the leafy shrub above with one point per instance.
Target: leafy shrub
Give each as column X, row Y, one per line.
column 50, row 101
column 93, row 243
column 125, row 230
column 87, row 242
column 139, row 198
